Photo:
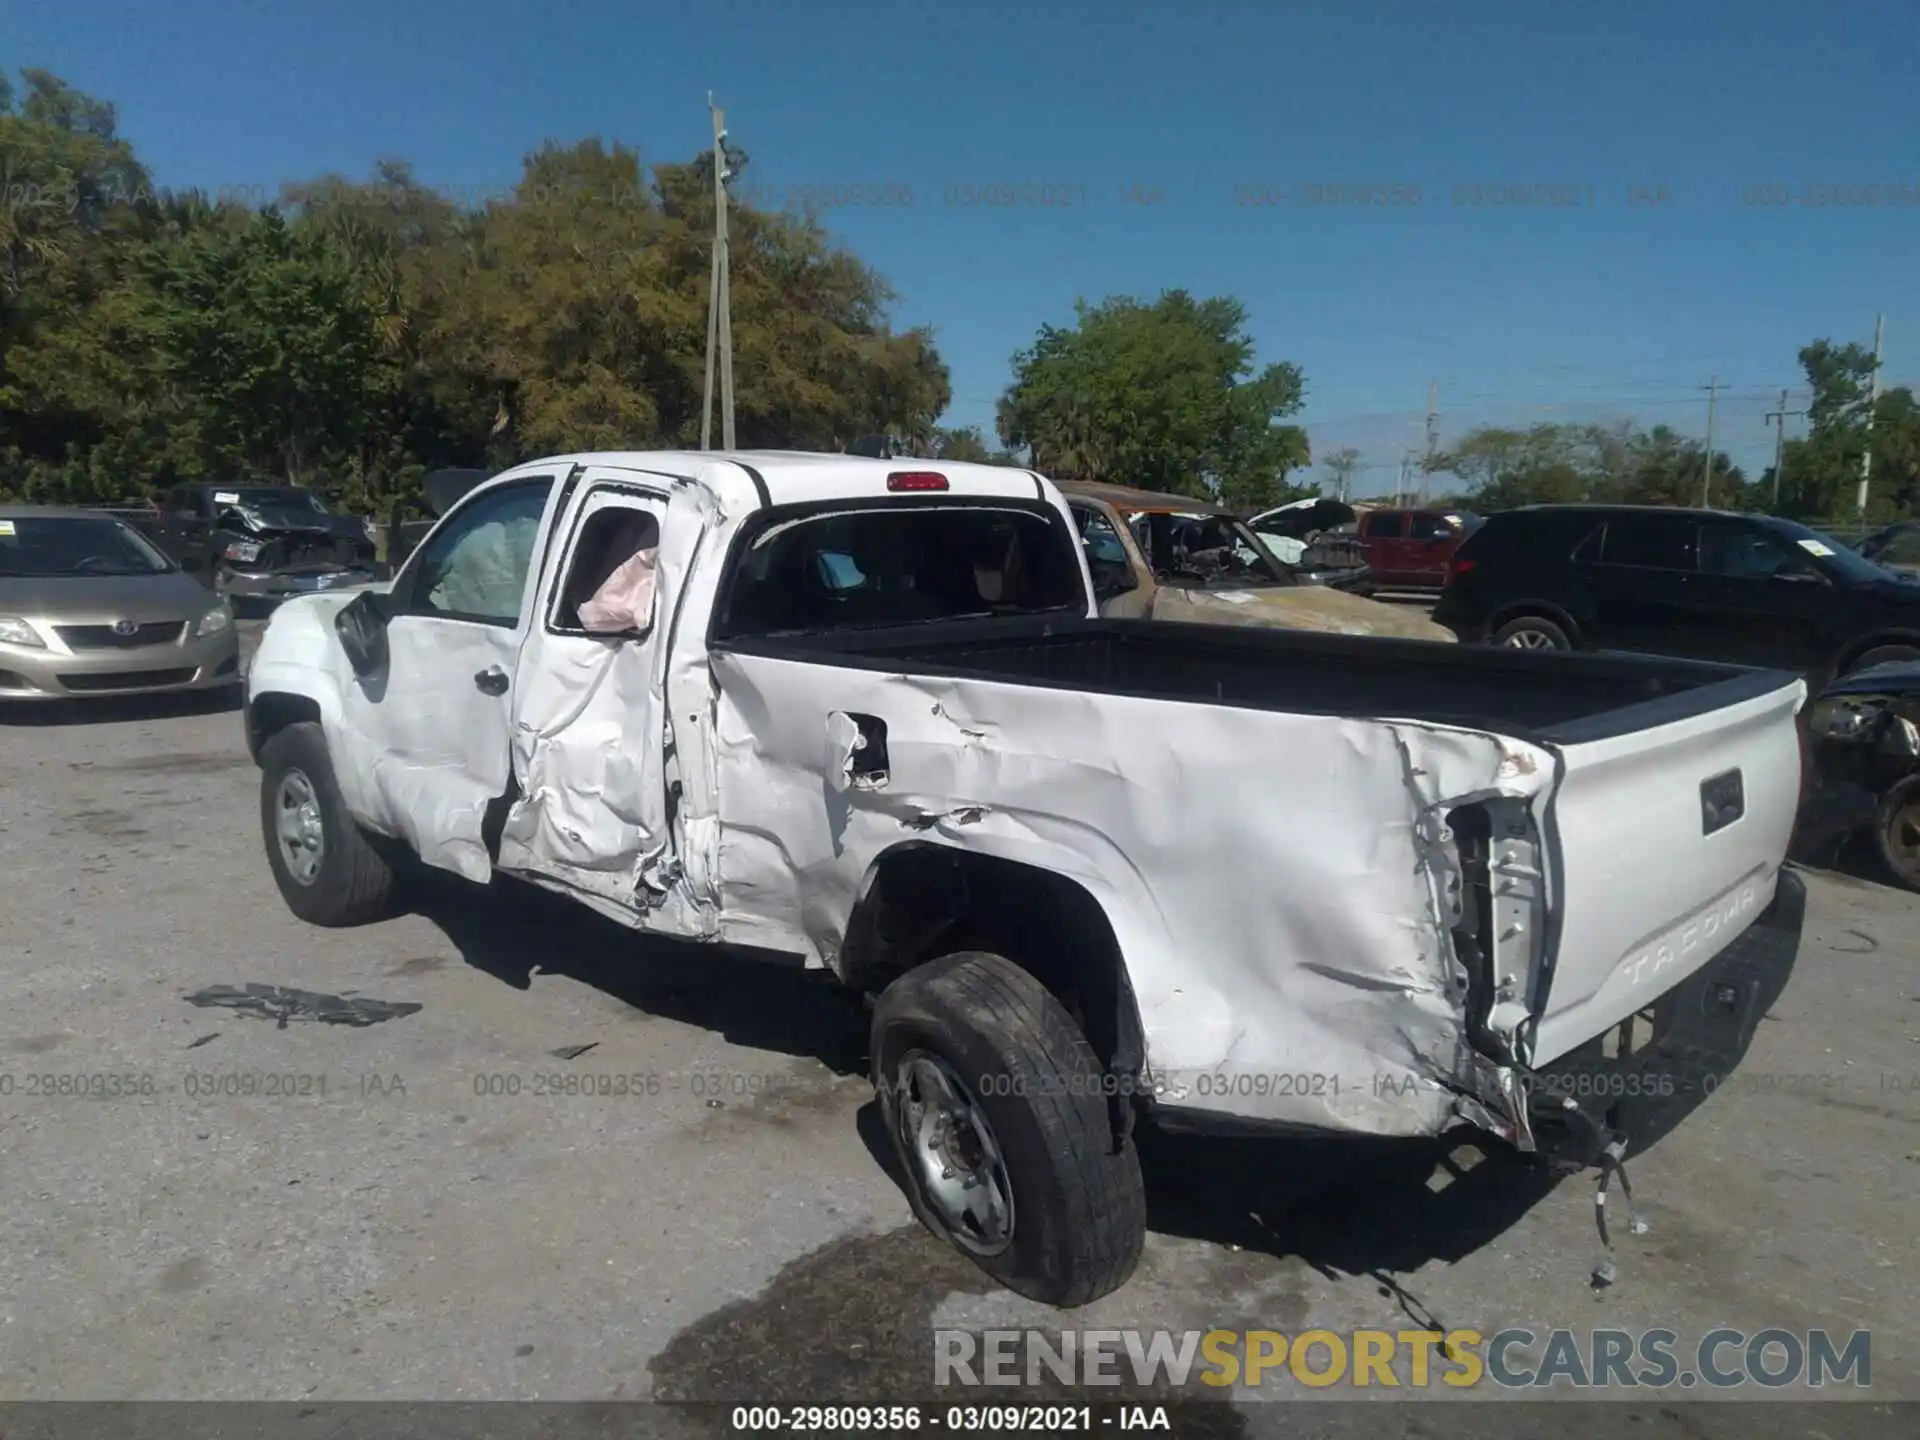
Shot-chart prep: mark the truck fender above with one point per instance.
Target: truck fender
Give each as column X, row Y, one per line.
column 920, row 898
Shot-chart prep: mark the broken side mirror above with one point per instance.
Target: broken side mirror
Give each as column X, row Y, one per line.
column 361, row 625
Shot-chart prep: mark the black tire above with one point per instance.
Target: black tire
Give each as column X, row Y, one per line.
column 1078, row 1214
column 353, row 883
column 1531, row 632
column 1881, row 655
column 1896, row 832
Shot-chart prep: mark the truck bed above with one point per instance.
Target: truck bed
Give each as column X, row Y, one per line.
column 1546, row 696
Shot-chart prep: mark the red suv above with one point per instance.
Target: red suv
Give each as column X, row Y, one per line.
column 1409, row 549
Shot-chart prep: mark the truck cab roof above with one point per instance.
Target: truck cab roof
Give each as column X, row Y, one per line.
column 748, row 479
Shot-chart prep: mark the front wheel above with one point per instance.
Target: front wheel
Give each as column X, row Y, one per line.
column 1896, row 831
column 998, row 1112
column 1532, row 632
column 327, row 871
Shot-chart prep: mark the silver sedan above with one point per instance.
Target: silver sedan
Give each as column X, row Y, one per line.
column 89, row 606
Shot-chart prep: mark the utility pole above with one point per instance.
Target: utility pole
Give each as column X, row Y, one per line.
column 719, row 299
column 1433, row 440
column 1706, row 475
column 1873, row 403
column 1779, row 418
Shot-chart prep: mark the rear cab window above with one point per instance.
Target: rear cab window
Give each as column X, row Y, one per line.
column 809, row 569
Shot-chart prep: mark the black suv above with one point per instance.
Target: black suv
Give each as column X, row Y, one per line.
column 1704, row 584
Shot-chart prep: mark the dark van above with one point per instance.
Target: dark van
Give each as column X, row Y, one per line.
column 1701, row 584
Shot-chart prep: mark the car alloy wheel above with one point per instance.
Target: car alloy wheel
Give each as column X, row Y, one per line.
column 1529, row 640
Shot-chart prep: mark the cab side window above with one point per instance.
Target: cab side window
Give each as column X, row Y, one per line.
column 1107, row 557
column 1384, row 525
column 475, row 566
column 1429, row 527
column 1650, row 542
column 611, row 570
column 1739, row 553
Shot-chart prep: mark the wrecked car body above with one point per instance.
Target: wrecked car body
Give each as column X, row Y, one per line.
column 1171, row 557
column 1864, row 734
column 262, row 542
column 867, row 713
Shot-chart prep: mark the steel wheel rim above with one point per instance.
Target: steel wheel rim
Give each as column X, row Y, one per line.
column 1530, row 640
column 299, row 827
column 946, row 1138
column 1903, row 836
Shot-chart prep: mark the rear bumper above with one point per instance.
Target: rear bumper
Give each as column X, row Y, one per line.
column 1687, row 1043
column 1468, row 630
column 198, row 664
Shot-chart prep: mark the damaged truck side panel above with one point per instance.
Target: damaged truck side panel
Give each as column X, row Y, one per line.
column 1359, row 1001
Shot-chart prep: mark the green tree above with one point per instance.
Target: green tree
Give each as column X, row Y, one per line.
column 269, row 333
column 1162, row 395
column 965, row 443
column 1552, row 464
column 371, row 329
column 1823, row 468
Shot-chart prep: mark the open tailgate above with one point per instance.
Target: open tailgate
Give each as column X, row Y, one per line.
column 1666, row 837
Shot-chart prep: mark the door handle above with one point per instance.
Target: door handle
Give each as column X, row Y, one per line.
column 491, row 681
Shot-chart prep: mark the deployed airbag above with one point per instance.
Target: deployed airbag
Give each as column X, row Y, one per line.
column 624, row 602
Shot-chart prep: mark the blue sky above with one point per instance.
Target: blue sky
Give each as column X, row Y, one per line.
column 1667, row 123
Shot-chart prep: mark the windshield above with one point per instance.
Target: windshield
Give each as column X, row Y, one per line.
column 1210, row 550
column 271, row 497
column 899, row 565
column 1829, row 553
column 61, row 545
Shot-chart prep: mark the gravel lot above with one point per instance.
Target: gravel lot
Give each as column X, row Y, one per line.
column 404, row 1225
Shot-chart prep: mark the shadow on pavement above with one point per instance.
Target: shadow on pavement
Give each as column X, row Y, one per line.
column 512, row 931
column 120, row 709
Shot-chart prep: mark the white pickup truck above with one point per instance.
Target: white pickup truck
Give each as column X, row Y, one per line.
column 863, row 711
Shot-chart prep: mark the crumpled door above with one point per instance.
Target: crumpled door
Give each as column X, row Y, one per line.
column 590, row 742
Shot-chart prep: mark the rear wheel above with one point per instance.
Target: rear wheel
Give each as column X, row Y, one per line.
column 997, row 1109
column 1897, row 831
column 327, row 871
column 1532, row 632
